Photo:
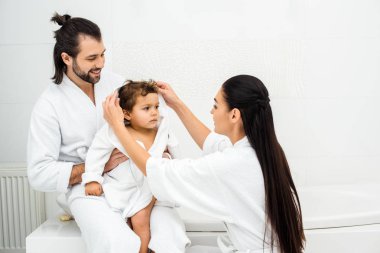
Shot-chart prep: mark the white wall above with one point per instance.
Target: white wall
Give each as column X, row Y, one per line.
column 319, row 59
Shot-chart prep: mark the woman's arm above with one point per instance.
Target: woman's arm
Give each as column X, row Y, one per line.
column 115, row 118
column 194, row 126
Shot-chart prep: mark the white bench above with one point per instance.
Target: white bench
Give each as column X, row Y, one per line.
column 62, row 237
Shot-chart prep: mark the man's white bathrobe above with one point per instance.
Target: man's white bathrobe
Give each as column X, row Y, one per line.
column 226, row 183
column 63, row 124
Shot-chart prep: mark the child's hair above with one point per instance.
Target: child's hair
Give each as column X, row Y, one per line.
column 129, row 92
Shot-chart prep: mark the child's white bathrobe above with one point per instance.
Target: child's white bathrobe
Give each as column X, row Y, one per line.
column 125, row 187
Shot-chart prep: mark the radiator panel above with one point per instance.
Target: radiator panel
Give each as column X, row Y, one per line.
column 22, row 209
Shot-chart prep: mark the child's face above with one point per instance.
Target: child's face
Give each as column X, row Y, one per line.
column 145, row 112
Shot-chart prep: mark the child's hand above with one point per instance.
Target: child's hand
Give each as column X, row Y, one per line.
column 93, row 189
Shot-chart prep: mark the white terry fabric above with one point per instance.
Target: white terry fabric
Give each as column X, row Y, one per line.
column 226, row 183
column 210, row 249
column 62, row 126
column 168, row 232
column 124, row 187
column 203, row 249
column 103, row 229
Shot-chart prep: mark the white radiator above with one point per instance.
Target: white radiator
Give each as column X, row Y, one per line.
column 21, row 209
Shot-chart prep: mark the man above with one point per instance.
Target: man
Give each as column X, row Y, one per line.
column 63, row 124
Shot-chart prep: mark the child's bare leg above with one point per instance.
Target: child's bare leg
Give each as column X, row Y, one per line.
column 140, row 223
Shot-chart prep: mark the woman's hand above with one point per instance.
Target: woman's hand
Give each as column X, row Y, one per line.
column 168, row 94
column 196, row 128
column 112, row 111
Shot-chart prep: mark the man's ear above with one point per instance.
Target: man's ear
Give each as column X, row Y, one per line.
column 127, row 115
column 67, row 59
column 235, row 115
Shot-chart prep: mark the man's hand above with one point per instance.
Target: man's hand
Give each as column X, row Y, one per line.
column 93, row 189
column 76, row 174
column 115, row 159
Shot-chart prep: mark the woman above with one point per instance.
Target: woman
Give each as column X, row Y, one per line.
column 243, row 178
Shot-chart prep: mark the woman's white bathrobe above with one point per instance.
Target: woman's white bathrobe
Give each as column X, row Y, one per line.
column 125, row 187
column 226, row 183
column 63, row 124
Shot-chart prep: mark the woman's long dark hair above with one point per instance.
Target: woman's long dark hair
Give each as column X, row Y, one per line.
column 283, row 210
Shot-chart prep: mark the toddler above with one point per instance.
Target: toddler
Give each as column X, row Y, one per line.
column 125, row 188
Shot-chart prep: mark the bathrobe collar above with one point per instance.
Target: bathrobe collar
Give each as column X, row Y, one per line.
column 242, row 143
column 66, row 81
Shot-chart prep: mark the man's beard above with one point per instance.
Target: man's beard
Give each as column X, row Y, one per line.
column 85, row 76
